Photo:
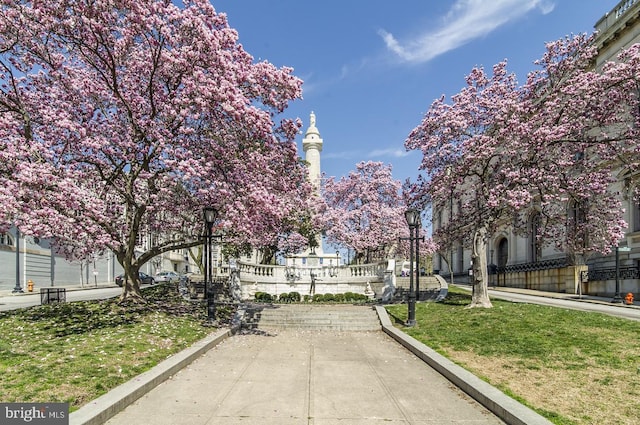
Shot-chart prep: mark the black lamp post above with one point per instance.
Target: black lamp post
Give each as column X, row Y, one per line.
column 413, row 219
column 333, row 271
column 17, row 288
column 417, row 238
column 210, row 215
column 617, row 298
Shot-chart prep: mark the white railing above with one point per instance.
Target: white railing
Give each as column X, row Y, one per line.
column 611, row 18
column 623, row 6
column 367, row 279
column 275, row 273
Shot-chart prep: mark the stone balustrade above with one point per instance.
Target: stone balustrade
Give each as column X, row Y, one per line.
column 277, row 279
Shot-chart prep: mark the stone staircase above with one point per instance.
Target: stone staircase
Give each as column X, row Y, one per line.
column 323, row 317
column 431, row 287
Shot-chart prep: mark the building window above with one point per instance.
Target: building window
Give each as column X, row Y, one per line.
column 578, row 223
column 636, row 216
column 6, row 239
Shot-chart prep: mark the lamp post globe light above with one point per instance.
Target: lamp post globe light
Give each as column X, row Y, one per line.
column 210, row 215
column 413, row 218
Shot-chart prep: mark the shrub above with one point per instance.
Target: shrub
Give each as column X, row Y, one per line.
column 294, row 297
column 339, row 298
column 307, row 298
column 329, row 298
column 284, row 298
column 318, row 298
column 263, row 297
column 353, row 297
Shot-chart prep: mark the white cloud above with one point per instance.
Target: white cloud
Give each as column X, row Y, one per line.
column 466, row 21
column 389, row 152
column 393, row 152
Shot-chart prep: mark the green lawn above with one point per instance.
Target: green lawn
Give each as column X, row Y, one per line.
column 75, row 352
column 572, row 367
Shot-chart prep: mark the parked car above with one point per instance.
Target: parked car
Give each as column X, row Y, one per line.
column 144, row 278
column 170, row 277
column 406, row 268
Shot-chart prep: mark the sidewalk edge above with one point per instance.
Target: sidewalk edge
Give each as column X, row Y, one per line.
column 103, row 408
column 503, row 406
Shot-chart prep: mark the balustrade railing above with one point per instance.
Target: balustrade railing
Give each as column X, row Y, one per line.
column 623, row 6
column 611, row 273
column 257, row 269
column 538, row 265
column 365, row 270
column 295, row 273
column 611, row 19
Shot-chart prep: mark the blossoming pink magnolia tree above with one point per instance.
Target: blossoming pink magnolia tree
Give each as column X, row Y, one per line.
column 121, row 120
column 365, row 211
column 499, row 153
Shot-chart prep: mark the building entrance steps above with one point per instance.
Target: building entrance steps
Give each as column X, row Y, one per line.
column 337, row 317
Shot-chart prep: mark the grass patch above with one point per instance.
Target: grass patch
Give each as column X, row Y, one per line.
column 572, row 367
column 75, row 352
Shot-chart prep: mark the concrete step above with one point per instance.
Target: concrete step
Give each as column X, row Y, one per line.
column 312, row 317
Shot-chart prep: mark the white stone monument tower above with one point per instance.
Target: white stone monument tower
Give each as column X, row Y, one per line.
column 312, row 146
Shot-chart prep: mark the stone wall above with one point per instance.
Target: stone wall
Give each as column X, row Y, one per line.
column 567, row 279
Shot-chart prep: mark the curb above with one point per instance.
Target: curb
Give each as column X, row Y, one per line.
column 503, row 406
column 103, row 408
column 36, row 289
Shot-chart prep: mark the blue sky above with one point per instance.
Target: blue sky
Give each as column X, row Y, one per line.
column 371, row 68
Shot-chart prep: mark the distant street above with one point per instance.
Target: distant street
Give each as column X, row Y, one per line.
column 15, row 301
column 587, row 303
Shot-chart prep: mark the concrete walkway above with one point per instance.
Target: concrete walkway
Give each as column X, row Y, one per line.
column 306, row 377
column 309, row 377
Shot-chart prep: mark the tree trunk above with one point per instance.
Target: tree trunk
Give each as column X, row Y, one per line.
column 131, row 287
column 480, row 281
column 131, row 293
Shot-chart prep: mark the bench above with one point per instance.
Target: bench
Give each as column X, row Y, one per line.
column 53, row 295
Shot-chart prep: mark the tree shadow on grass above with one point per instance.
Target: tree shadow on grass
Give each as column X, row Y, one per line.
column 397, row 320
column 455, row 298
column 80, row 317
